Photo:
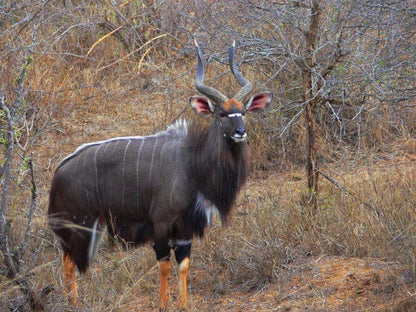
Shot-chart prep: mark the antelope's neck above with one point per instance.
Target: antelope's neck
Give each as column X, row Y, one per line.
column 219, row 168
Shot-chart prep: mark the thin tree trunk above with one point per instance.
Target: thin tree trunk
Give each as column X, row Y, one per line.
column 311, row 107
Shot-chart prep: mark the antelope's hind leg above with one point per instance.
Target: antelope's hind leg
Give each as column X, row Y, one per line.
column 70, row 279
column 182, row 254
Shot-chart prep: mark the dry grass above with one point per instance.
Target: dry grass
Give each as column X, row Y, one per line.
column 271, row 256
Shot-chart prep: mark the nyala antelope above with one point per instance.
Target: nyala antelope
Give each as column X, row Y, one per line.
column 162, row 188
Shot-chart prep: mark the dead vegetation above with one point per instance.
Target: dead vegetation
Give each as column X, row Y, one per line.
column 356, row 253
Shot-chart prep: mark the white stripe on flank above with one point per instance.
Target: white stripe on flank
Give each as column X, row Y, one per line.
column 177, row 162
column 88, row 197
column 123, row 174
column 106, row 147
column 151, row 162
column 96, row 177
column 161, row 150
column 84, row 184
column 115, row 145
column 76, row 170
column 172, row 189
column 137, row 172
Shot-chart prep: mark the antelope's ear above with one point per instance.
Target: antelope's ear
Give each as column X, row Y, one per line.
column 259, row 102
column 202, row 105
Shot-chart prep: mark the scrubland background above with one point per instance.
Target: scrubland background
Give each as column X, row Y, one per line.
column 344, row 83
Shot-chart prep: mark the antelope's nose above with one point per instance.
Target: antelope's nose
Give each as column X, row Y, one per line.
column 240, row 131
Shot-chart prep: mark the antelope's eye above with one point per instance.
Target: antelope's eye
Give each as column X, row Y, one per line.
column 223, row 114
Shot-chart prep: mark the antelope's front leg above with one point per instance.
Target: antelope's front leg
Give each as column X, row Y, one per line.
column 163, row 257
column 164, row 270
column 182, row 254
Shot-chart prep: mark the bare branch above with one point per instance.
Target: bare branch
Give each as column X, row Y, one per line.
column 23, row 246
column 4, row 226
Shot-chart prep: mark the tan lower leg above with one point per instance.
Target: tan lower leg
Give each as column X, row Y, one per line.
column 183, row 273
column 70, row 279
column 164, row 270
